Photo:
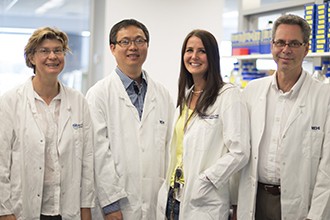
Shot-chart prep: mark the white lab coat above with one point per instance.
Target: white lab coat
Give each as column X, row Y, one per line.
column 305, row 152
column 22, row 154
column 131, row 155
column 215, row 146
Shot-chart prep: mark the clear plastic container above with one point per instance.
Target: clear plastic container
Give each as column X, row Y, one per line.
column 318, row 74
column 245, row 76
column 327, row 76
column 235, row 75
column 325, row 66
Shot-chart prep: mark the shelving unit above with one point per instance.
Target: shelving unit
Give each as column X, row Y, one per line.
column 248, row 20
column 269, row 56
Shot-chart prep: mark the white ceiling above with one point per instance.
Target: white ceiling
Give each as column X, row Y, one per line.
column 67, row 8
column 69, row 15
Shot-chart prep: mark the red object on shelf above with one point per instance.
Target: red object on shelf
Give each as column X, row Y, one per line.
column 240, row 51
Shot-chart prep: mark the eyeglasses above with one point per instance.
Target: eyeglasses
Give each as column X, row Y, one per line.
column 126, row 42
column 291, row 44
column 45, row 52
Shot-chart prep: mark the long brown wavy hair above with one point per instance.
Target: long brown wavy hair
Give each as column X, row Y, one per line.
column 212, row 76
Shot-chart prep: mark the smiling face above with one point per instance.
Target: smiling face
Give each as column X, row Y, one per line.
column 130, row 58
column 289, row 59
column 195, row 58
column 48, row 65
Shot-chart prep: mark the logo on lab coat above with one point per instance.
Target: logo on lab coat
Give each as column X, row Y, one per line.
column 210, row 116
column 316, row 128
column 76, row 126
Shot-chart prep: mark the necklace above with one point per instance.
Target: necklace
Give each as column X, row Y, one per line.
column 198, row 91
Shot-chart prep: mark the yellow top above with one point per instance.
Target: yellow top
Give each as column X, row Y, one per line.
column 179, row 132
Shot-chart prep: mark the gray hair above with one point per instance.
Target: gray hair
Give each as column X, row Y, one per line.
column 293, row 20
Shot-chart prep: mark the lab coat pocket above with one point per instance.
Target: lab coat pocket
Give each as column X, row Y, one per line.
column 204, row 193
column 207, row 128
column 160, row 134
column 312, row 143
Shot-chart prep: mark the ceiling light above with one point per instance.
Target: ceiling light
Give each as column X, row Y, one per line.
column 51, row 4
column 10, row 5
column 85, row 33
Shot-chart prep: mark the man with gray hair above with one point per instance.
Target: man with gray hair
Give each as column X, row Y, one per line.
column 288, row 175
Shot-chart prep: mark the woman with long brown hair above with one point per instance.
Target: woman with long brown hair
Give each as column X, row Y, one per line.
column 210, row 141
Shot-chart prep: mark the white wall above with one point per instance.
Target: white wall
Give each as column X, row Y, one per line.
column 168, row 22
column 248, row 4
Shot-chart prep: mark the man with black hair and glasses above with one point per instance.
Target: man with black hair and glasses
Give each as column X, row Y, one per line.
column 288, row 175
column 132, row 117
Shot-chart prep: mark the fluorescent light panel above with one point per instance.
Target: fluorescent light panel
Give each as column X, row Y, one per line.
column 10, row 5
column 49, row 5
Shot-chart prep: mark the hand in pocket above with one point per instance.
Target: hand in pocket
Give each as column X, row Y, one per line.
column 204, row 193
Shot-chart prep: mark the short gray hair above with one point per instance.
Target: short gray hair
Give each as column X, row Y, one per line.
column 293, row 20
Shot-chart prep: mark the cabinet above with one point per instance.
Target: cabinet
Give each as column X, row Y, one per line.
column 249, row 19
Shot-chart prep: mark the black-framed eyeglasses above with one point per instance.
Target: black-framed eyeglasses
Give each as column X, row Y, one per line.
column 291, row 44
column 45, row 52
column 127, row 42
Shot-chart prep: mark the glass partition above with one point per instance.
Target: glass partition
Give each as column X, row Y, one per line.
column 18, row 19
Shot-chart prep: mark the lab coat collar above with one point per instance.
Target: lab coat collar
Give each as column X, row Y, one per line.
column 294, row 91
column 31, row 96
column 65, row 109
column 299, row 106
column 150, row 99
column 193, row 118
column 128, row 81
